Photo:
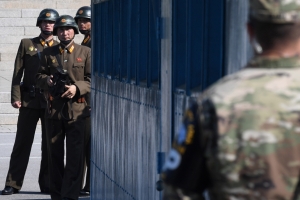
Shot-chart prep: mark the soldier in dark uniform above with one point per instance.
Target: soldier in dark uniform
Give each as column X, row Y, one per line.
column 66, row 65
column 83, row 20
column 29, row 99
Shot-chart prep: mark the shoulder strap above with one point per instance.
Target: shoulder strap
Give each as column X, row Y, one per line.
column 67, row 100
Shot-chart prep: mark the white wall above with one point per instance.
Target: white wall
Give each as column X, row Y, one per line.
column 18, row 20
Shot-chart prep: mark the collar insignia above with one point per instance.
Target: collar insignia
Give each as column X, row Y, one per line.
column 60, row 50
column 31, row 48
column 42, row 42
column 70, row 49
column 50, row 43
column 86, row 39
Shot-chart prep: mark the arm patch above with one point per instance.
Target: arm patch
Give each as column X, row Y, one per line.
column 185, row 167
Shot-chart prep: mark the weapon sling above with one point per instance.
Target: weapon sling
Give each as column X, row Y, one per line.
column 67, row 100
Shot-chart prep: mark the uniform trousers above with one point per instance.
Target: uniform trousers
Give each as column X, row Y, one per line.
column 87, row 154
column 65, row 180
column 26, row 126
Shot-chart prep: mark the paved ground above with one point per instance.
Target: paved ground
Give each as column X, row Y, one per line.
column 30, row 189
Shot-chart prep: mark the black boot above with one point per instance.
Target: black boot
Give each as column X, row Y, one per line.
column 8, row 190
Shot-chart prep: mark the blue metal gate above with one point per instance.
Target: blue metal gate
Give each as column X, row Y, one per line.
column 150, row 57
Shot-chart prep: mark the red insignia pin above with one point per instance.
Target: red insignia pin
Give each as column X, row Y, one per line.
column 79, row 59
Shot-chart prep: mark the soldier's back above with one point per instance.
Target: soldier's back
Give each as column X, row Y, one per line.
column 259, row 132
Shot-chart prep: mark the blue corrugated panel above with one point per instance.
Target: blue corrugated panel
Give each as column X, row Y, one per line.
column 198, row 40
column 126, row 44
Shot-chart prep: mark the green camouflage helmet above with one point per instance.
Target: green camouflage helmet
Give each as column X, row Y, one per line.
column 65, row 21
column 275, row 11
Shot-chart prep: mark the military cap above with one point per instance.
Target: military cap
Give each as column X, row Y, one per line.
column 47, row 14
column 65, row 21
column 275, row 11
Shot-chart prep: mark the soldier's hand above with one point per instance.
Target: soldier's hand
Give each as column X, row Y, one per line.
column 16, row 104
column 49, row 80
column 70, row 93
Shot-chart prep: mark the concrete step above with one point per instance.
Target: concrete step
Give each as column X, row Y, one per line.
column 4, row 97
column 12, row 128
column 5, row 80
column 8, row 119
column 8, row 128
column 7, row 66
column 9, row 48
column 14, row 39
column 6, row 108
column 29, row 13
column 7, row 57
column 12, row 31
column 41, row 4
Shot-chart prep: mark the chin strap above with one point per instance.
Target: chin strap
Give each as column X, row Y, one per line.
column 47, row 32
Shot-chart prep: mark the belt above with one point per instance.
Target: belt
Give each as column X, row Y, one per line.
column 36, row 90
column 79, row 100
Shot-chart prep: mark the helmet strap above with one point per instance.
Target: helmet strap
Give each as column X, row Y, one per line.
column 85, row 32
column 47, row 32
column 66, row 42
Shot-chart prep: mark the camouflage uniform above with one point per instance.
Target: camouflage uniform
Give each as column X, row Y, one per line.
column 246, row 128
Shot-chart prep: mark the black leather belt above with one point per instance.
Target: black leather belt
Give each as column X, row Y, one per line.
column 37, row 90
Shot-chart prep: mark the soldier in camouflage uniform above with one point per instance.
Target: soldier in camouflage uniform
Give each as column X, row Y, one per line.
column 30, row 101
column 241, row 140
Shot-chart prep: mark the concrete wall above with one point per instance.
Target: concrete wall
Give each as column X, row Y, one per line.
column 17, row 21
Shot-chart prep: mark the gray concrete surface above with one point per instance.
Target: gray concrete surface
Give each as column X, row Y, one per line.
column 30, row 189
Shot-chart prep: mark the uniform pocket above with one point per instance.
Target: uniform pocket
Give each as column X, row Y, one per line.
column 31, row 62
column 32, row 53
column 78, row 71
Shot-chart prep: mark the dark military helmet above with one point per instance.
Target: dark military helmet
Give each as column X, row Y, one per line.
column 65, row 21
column 47, row 14
column 83, row 12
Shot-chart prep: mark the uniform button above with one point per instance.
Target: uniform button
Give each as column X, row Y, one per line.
column 46, row 45
column 65, row 60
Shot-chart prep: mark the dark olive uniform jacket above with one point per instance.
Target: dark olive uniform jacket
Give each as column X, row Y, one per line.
column 77, row 62
column 27, row 61
column 66, row 180
column 87, row 41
